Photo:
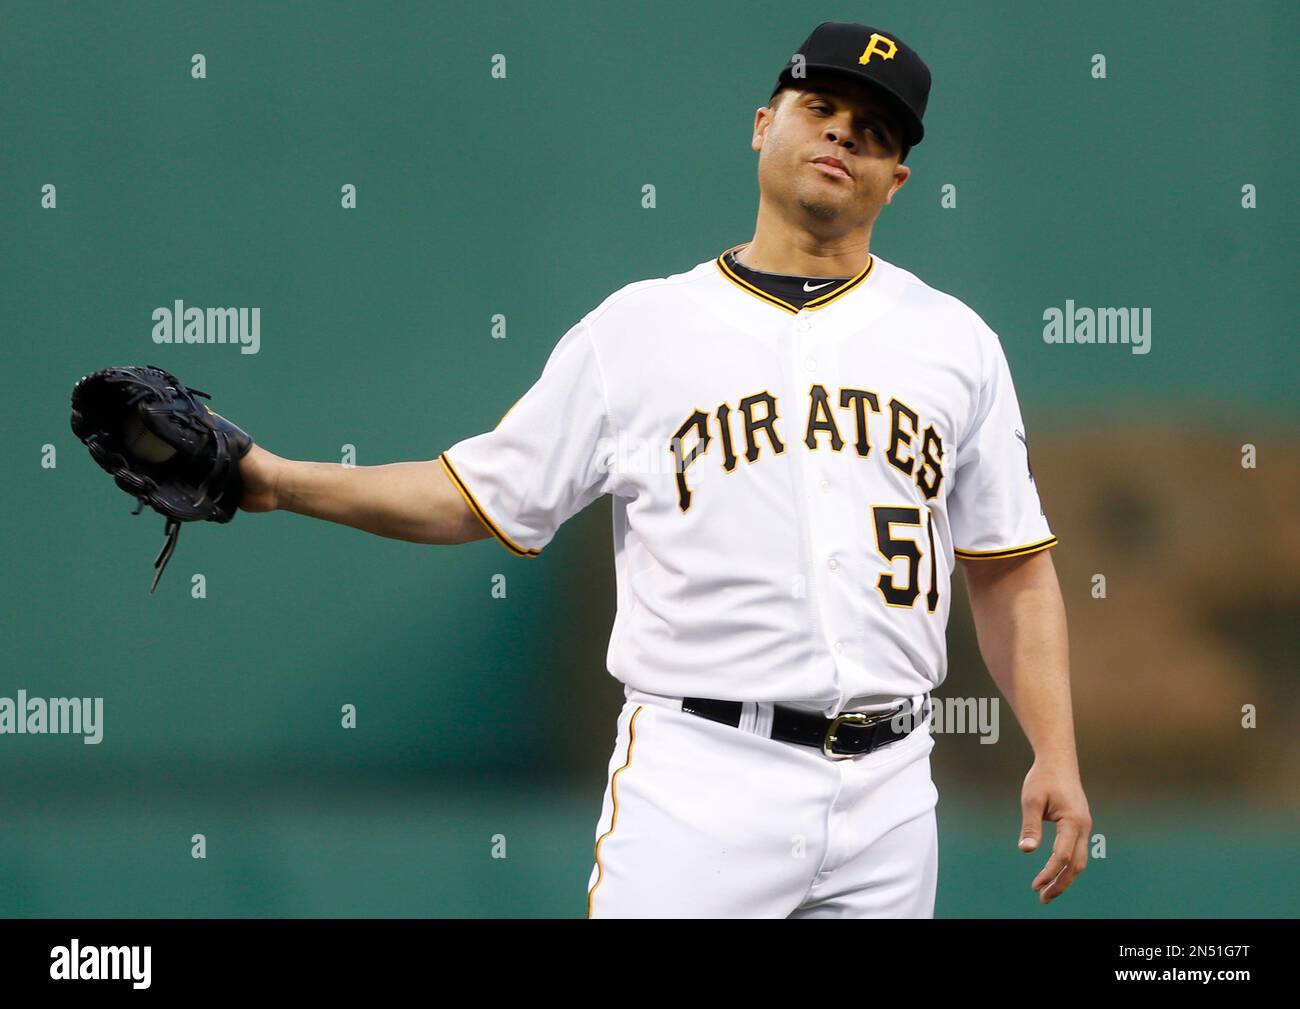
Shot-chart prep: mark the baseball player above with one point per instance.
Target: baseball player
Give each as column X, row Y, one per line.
column 800, row 439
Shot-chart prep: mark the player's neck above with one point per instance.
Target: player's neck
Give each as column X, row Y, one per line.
column 785, row 243
column 795, row 252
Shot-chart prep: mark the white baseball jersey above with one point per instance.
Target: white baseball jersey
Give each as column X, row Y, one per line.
column 791, row 487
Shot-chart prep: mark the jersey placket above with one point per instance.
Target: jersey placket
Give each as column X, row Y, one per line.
column 811, row 357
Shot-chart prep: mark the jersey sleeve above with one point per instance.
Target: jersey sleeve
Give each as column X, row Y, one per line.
column 548, row 456
column 994, row 509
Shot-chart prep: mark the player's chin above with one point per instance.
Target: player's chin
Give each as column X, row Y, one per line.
column 831, row 189
column 822, row 201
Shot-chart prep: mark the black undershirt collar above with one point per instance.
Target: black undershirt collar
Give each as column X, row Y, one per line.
column 786, row 287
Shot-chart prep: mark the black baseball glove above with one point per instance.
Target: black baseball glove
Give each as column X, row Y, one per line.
column 163, row 447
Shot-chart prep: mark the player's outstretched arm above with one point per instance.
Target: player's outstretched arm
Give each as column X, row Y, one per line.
column 412, row 501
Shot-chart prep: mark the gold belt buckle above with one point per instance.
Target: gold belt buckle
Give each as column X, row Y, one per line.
column 857, row 718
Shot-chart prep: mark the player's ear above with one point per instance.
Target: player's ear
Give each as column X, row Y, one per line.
column 762, row 119
column 901, row 175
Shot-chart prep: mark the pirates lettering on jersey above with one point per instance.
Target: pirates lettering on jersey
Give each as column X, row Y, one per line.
column 912, row 450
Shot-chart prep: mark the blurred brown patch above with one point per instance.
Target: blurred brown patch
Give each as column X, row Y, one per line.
column 1201, row 560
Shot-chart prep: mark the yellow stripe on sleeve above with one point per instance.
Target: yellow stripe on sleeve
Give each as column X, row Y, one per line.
column 989, row 555
column 477, row 509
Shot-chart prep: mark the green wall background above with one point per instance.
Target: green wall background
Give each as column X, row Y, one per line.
column 522, row 197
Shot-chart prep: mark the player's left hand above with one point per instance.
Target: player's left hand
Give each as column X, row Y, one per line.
column 1053, row 791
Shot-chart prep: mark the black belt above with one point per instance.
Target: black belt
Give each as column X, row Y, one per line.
column 847, row 735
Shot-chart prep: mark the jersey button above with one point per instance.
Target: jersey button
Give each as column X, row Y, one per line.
column 826, row 486
column 810, row 364
column 839, row 646
column 803, row 325
column 832, row 564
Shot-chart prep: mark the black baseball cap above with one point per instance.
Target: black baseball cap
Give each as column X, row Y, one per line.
column 872, row 56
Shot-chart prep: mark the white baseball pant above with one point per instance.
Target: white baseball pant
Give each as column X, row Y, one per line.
column 706, row 820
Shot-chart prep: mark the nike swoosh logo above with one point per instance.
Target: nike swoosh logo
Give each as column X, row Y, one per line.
column 815, row 288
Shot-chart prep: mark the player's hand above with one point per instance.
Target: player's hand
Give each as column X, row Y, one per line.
column 260, row 472
column 1054, row 792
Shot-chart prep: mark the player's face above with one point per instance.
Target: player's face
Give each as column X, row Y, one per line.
column 837, row 120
